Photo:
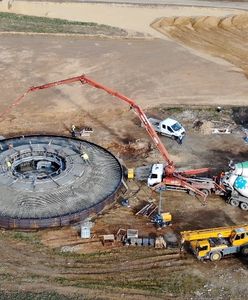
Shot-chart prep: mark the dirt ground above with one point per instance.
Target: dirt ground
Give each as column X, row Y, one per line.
column 171, row 76
column 223, row 37
column 166, row 79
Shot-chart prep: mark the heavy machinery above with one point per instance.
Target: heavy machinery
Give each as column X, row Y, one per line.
column 235, row 182
column 215, row 243
column 172, row 177
column 162, row 219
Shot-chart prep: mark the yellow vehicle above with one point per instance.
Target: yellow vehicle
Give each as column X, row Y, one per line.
column 162, row 219
column 215, row 243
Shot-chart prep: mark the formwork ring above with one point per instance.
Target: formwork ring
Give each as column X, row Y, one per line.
column 46, row 182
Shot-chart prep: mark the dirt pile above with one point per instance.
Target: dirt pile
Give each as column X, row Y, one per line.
column 205, row 127
column 137, row 148
column 224, row 37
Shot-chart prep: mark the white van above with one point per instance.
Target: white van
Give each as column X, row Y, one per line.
column 168, row 127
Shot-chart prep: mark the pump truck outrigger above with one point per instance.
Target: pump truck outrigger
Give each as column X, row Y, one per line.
column 170, row 177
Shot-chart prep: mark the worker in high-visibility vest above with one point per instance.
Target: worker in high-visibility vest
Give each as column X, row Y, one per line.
column 73, row 131
column 9, row 165
column 85, row 156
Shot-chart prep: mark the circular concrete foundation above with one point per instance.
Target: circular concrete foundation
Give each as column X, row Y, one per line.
column 48, row 181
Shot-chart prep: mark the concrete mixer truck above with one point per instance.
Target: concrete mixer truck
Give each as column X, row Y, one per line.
column 235, row 182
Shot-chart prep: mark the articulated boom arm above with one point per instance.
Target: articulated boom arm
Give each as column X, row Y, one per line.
column 171, row 175
column 143, row 118
column 137, row 109
column 202, row 234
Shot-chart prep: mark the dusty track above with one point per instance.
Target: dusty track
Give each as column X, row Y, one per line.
column 106, row 274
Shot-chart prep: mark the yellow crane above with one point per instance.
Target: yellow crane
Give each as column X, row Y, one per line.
column 215, row 243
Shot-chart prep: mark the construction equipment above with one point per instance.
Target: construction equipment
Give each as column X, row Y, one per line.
column 156, row 175
column 215, row 243
column 170, row 176
column 158, row 218
column 235, row 182
column 169, row 127
column 162, row 219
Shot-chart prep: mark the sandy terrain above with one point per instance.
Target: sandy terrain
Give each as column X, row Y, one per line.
column 223, row 37
column 171, row 76
column 128, row 17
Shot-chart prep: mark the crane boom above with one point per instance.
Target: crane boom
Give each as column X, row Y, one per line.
column 192, row 235
column 137, row 109
column 142, row 116
column 171, row 176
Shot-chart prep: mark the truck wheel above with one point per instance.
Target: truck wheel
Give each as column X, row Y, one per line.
column 244, row 206
column 215, row 256
column 234, row 202
column 244, row 251
column 206, row 192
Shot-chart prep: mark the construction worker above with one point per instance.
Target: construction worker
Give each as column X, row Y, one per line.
column 85, row 156
column 180, row 140
column 73, row 131
column 9, row 165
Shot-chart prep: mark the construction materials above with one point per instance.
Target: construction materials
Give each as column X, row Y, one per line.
column 169, row 127
column 235, row 182
column 221, row 130
column 132, row 233
column 108, row 239
column 130, row 174
column 215, row 243
column 151, row 210
column 147, row 210
column 162, row 219
column 171, row 239
column 121, row 234
column 131, row 237
column 160, row 243
column 86, row 229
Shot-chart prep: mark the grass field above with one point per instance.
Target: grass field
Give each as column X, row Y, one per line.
column 21, row 23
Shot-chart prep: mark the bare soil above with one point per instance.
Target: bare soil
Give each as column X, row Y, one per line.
column 223, row 37
column 166, row 80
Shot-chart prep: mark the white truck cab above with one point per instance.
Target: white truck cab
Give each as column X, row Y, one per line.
column 156, row 175
column 168, row 127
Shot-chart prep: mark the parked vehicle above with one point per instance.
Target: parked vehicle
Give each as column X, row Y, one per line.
column 215, row 243
column 168, row 127
column 235, row 182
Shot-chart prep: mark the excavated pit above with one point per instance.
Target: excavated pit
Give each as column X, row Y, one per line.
column 45, row 182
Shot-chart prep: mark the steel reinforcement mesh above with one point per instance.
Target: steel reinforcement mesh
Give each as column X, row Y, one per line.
column 81, row 188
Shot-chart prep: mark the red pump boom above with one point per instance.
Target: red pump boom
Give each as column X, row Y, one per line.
column 171, row 176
